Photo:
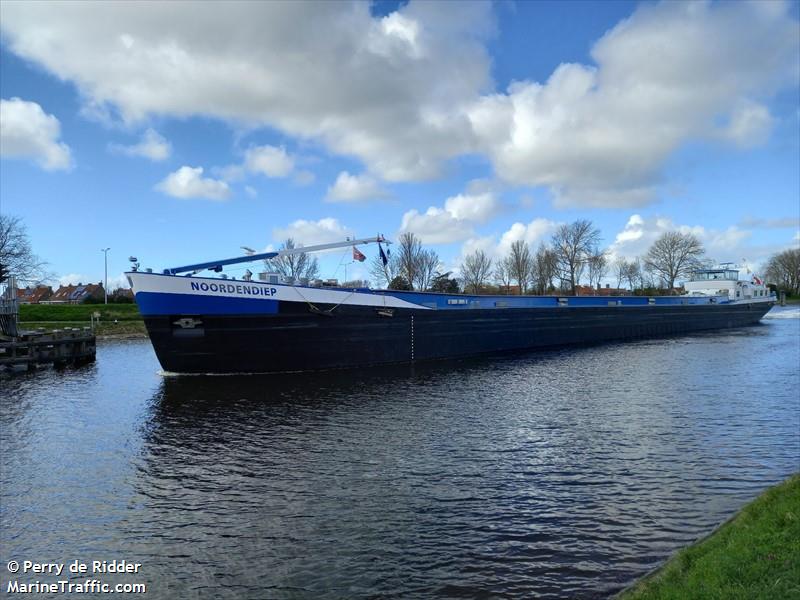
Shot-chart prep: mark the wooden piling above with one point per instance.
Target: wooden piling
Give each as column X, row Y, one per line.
column 59, row 348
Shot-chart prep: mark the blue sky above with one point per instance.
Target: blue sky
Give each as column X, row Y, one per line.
column 180, row 132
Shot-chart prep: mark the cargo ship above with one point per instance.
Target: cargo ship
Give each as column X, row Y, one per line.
column 215, row 324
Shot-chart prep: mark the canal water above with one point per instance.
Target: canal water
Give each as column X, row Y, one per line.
column 566, row 473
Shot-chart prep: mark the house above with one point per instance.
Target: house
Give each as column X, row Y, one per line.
column 77, row 294
column 34, row 295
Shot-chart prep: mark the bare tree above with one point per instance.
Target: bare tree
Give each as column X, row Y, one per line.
column 783, row 269
column 428, row 265
column 384, row 274
column 409, row 251
column 475, row 271
column 633, row 274
column 649, row 277
column 573, row 244
column 620, row 267
column 521, row 264
column 597, row 265
column 502, row 273
column 638, row 274
column 544, row 270
column 294, row 266
column 673, row 255
column 16, row 255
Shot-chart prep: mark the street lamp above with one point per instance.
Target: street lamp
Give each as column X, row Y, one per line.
column 105, row 263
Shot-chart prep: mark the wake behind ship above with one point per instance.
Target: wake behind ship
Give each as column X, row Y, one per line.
column 216, row 325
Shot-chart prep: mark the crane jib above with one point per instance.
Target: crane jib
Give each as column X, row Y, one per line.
column 216, row 265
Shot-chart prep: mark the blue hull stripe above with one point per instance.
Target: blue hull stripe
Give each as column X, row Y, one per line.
column 151, row 303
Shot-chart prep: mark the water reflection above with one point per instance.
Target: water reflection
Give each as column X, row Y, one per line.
column 557, row 474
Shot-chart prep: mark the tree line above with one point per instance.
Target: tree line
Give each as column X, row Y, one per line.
column 573, row 255
column 783, row 270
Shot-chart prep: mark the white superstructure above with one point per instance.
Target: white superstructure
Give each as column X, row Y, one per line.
column 725, row 281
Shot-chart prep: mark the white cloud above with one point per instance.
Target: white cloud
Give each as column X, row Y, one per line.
column 436, row 226
column 188, row 182
column 250, row 191
column 75, row 279
column 476, row 207
column 309, row 233
column 152, row 146
column 599, row 135
column 486, row 244
column 28, row 132
column 410, row 90
column 354, row 188
column 268, row 160
column 456, row 220
column 750, row 124
column 537, row 231
column 639, row 234
column 387, row 90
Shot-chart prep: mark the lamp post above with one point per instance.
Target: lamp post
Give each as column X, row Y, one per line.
column 105, row 265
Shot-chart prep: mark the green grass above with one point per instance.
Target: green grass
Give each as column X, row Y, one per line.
column 78, row 312
column 102, row 329
column 755, row 555
column 59, row 316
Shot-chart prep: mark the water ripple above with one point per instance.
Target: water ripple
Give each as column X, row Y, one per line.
column 565, row 473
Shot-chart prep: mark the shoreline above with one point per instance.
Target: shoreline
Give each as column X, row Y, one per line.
column 121, row 336
column 729, row 561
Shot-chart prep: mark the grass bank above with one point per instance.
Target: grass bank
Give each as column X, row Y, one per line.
column 103, row 328
column 115, row 319
column 756, row 554
column 78, row 312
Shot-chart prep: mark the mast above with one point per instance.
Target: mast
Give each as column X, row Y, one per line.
column 216, row 265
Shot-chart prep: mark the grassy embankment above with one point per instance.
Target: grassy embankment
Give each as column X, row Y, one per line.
column 756, row 554
column 115, row 319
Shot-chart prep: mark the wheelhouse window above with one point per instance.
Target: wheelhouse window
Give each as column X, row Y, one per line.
column 715, row 274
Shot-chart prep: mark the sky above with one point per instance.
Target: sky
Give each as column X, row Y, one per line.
column 179, row 132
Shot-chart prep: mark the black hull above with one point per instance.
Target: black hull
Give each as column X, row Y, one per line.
column 296, row 339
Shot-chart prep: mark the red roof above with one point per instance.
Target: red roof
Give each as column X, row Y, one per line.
column 77, row 293
column 34, row 295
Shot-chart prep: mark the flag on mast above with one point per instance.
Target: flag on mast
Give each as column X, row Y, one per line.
column 383, row 255
column 357, row 255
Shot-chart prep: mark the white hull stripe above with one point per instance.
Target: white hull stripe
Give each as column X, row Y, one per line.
column 257, row 290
